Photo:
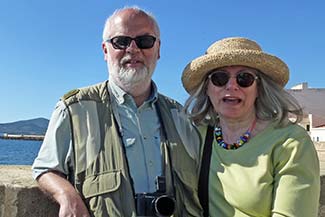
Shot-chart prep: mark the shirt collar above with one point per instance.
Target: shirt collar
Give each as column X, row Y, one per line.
column 117, row 92
column 154, row 94
column 120, row 95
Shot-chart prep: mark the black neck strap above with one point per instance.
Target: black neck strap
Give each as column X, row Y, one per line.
column 203, row 188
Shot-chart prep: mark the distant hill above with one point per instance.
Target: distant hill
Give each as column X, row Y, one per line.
column 35, row 126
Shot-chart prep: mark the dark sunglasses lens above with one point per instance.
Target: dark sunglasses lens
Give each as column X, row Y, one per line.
column 219, row 78
column 145, row 41
column 245, row 79
column 121, row 42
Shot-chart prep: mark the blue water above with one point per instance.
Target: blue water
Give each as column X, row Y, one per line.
column 18, row 152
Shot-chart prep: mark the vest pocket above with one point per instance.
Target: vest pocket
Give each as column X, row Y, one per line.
column 101, row 183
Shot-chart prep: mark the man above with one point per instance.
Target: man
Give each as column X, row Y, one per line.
column 113, row 148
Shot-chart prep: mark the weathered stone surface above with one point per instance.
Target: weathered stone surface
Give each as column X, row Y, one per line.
column 2, row 198
column 20, row 196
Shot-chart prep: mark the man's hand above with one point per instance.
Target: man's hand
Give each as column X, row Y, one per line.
column 71, row 204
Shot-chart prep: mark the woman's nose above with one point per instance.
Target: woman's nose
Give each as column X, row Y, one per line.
column 232, row 83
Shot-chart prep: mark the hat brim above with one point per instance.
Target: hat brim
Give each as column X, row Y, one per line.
column 197, row 70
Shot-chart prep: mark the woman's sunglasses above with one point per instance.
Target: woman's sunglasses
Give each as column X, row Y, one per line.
column 244, row 78
column 123, row 42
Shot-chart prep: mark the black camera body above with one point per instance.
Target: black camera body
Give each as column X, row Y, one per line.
column 155, row 204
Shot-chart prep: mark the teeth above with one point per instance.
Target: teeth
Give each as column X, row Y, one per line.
column 228, row 98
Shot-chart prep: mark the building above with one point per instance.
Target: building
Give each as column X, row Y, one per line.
column 312, row 101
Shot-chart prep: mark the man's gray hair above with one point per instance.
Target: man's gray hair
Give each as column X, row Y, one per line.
column 137, row 10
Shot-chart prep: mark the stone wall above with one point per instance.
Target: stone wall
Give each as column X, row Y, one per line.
column 322, row 198
column 20, row 196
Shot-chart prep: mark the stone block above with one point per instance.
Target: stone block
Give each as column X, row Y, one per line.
column 20, row 196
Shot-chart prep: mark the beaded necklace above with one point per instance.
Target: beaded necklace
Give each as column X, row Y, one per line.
column 240, row 142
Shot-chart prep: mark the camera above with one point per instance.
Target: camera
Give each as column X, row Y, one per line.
column 155, row 204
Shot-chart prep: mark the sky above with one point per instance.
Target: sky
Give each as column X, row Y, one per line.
column 50, row 47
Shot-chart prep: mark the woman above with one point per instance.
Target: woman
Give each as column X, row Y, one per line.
column 262, row 162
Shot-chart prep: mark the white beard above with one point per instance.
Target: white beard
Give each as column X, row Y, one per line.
column 129, row 78
column 133, row 77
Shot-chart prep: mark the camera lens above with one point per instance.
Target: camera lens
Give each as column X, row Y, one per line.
column 164, row 206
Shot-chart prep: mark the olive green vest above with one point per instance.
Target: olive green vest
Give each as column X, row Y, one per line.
column 101, row 173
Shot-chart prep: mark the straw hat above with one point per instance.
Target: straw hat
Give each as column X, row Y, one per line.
column 234, row 51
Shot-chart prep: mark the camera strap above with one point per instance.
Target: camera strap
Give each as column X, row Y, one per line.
column 167, row 163
column 203, row 186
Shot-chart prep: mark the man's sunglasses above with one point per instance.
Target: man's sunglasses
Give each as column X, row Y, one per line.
column 244, row 78
column 123, row 42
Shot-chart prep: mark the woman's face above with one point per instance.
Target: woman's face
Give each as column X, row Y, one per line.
column 232, row 101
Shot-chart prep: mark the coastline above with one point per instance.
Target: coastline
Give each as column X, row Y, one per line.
column 22, row 137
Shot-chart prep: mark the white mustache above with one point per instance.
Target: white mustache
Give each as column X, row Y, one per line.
column 128, row 59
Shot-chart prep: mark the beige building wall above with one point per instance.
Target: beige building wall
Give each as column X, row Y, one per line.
column 312, row 101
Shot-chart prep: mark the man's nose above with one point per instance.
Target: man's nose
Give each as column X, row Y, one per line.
column 133, row 46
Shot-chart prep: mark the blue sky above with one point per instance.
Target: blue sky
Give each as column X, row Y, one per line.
column 50, row 47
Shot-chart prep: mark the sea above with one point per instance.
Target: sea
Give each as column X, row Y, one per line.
column 18, row 152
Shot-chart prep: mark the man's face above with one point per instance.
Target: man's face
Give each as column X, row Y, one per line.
column 131, row 66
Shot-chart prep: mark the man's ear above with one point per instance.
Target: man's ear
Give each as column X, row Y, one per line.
column 159, row 49
column 104, row 48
